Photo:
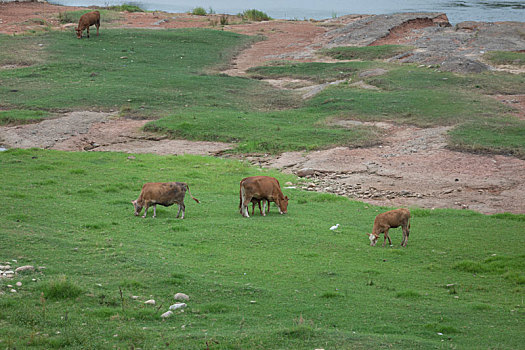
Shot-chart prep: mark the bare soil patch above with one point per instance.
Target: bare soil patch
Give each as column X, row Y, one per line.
column 411, row 168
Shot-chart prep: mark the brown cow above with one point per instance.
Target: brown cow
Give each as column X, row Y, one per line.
column 87, row 20
column 163, row 193
column 261, row 188
column 390, row 219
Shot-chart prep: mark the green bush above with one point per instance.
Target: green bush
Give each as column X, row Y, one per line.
column 198, row 11
column 255, row 15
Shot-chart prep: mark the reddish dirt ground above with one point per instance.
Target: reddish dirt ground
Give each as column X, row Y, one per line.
column 411, row 168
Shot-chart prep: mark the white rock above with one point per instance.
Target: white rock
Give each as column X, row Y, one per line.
column 334, row 227
column 19, row 284
column 167, row 314
column 178, row 306
column 134, row 297
column 24, row 268
column 13, row 290
column 181, row 296
column 150, row 302
column 10, row 272
column 9, row 286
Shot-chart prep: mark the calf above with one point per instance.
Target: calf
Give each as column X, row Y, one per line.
column 163, row 193
column 258, row 201
column 263, row 188
column 87, row 20
column 387, row 220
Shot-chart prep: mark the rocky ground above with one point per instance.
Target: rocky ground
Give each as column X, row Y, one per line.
column 411, row 168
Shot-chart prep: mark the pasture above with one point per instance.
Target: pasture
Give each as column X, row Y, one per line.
column 279, row 282
column 275, row 282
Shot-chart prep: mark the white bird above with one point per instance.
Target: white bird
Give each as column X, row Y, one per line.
column 334, row 227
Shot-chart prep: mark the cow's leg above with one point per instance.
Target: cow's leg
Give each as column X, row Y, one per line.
column 180, row 209
column 88, row 31
column 406, row 232
column 253, row 207
column 245, row 201
column 386, row 237
column 154, row 211
column 263, row 212
column 98, row 25
column 183, row 210
column 146, row 206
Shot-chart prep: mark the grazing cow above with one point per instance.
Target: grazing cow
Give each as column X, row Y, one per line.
column 163, row 193
column 263, row 188
column 387, row 220
column 87, row 20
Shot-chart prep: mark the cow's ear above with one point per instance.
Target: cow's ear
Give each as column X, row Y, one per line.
column 286, row 197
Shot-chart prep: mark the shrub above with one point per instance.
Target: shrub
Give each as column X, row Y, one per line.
column 255, row 15
column 198, row 11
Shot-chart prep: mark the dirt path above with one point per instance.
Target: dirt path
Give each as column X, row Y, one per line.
column 411, row 168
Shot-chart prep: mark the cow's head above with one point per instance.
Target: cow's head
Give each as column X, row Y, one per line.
column 283, row 205
column 137, row 206
column 373, row 239
column 79, row 32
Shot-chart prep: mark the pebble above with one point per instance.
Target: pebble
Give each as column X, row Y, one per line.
column 167, row 314
column 181, row 296
column 178, row 306
column 150, row 302
column 19, row 284
column 24, row 268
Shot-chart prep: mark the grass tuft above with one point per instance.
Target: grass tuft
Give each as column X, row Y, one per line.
column 408, row 294
column 61, row 288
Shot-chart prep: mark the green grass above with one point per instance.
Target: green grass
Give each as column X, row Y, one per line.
column 505, row 136
column 279, row 282
column 505, row 58
column 367, row 53
column 269, row 132
column 15, row 117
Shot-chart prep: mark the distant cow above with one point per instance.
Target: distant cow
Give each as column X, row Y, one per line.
column 87, row 20
column 163, row 193
column 264, row 188
column 387, row 220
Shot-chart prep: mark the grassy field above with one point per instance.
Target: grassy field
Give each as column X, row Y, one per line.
column 275, row 282
column 172, row 77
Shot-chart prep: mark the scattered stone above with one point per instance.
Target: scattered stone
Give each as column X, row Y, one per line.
column 132, row 157
column 134, row 297
column 150, row 302
column 167, row 314
column 19, row 284
column 24, row 268
column 305, row 172
column 13, row 290
column 181, row 296
column 177, row 306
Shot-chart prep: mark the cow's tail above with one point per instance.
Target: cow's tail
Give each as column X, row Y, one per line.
column 240, row 195
column 195, row 199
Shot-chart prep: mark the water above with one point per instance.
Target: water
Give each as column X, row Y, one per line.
column 457, row 11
